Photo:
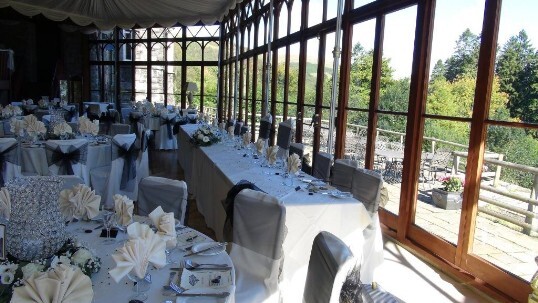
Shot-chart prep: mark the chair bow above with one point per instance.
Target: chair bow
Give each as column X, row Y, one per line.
column 66, row 160
column 169, row 124
column 129, row 155
column 8, row 155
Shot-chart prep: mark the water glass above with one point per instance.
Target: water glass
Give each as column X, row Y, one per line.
column 141, row 286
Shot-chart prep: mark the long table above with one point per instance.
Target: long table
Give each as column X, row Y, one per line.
column 211, row 171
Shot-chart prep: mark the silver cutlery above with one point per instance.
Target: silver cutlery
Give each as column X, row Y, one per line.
column 206, row 249
column 189, row 264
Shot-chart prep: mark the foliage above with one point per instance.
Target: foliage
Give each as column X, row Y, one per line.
column 464, row 61
column 451, row 184
column 205, row 136
column 522, row 149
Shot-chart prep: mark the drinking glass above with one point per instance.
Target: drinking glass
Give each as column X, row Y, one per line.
column 109, row 221
column 141, row 286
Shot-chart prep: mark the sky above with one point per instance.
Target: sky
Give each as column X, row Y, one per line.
column 452, row 17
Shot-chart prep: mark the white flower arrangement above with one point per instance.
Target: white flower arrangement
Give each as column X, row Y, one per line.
column 205, row 136
column 17, row 127
column 86, row 126
column 10, row 111
column 13, row 272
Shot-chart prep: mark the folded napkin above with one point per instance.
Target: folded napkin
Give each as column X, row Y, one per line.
column 138, row 230
column 231, row 131
column 124, row 209
column 136, row 255
column 80, row 202
column 294, row 162
column 30, row 119
column 166, row 225
column 63, row 284
column 222, row 125
column 271, row 154
column 35, row 128
column 62, row 129
column 5, row 203
column 260, row 145
column 246, row 138
column 215, row 122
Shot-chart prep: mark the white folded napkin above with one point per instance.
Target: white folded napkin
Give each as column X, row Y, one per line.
column 63, row 284
column 80, row 202
column 5, row 203
column 271, row 154
column 260, row 145
column 294, row 162
column 246, row 138
column 136, row 255
column 124, row 209
column 165, row 224
column 138, row 230
column 62, row 129
column 222, row 125
column 231, row 131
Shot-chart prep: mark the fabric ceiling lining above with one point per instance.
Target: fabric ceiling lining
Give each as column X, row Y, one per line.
column 106, row 14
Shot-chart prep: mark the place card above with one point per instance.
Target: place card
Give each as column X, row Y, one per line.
column 205, row 278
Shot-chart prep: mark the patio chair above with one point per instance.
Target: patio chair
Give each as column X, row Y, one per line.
column 439, row 163
column 258, row 234
column 322, row 166
column 330, row 260
column 170, row 194
column 9, row 160
column 68, row 157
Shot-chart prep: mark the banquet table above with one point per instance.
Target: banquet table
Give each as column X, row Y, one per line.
column 34, row 158
column 105, row 289
column 218, row 167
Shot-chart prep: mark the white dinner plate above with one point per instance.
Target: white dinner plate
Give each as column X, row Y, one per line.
column 341, row 195
column 214, row 251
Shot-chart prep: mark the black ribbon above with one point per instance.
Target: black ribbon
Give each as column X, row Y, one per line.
column 169, row 125
column 8, row 155
column 65, row 161
column 134, row 120
column 129, row 155
column 107, row 119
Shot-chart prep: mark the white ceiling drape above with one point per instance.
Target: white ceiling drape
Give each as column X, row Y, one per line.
column 106, row 14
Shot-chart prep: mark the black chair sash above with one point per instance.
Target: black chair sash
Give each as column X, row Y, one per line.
column 169, row 125
column 265, row 129
column 10, row 155
column 65, row 161
column 134, row 120
column 129, row 155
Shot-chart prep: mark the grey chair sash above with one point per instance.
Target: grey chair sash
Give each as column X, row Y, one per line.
column 10, row 155
column 283, row 139
column 265, row 129
column 129, row 155
column 169, row 125
column 65, row 161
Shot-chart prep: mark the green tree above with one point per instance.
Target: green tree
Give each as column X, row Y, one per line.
column 464, row 61
column 438, row 71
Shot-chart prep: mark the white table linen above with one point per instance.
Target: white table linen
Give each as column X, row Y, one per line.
column 215, row 169
column 106, row 290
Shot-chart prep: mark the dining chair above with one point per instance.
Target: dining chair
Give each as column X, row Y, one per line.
column 170, row 194
column 322, row 166
column 330, row 259
column 265, row 127
column 120, row 176
column 439, row 163
column 68, row 157
column 366, row 187
column 135, row 119
column 9, row 160
column 164, row 138
column 374, row 293
column 342, row 174
column 228, row 205
column 119, row 129
column 283, row 139
column 237, row 128
column 142, row 161
column 258, row 234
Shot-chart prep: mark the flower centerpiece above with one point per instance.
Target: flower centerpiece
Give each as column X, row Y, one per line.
column 449, row 196
column 87, row 127
column 205, row 136
column 14, row 272
column 10, row 111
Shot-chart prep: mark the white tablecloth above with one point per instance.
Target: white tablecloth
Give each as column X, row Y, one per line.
column 106, row 290
column 211, row 171
column 34, row 159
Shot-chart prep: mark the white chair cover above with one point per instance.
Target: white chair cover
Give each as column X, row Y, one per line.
column 258, row 234
column 170, row 194
column 9, row 160
column 366, row 187
column 165, row 139
column 119, row 129
column 117, row 178
column 343, row 170
column 322, row 166
column 327, row 258
column 142, row 161
column 68, row 157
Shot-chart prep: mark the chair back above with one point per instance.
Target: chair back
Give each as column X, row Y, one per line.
column 228, row 205
column 366, row 187
column 265, row 127
column 125, row 151
column 164, row 138
column 328, row 256
column 237, row 128
column 170, row 194
column 441, row 158
column 118, row 129
column 343, row 174
column 322, row 166
column 283, row 138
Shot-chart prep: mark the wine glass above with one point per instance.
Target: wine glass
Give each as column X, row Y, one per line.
column 141, row 286
column 109, row 221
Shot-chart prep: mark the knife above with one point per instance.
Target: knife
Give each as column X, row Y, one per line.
column 205, row 249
